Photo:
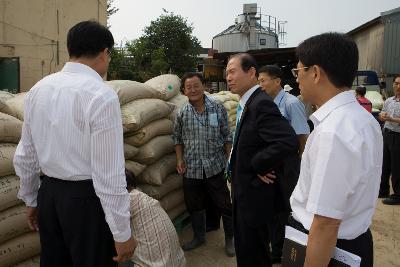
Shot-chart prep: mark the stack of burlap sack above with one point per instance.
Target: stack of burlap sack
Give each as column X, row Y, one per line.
column 148, row 111
column 230, row 102
column 17, row 242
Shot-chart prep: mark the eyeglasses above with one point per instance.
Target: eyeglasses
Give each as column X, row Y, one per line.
column 295, row 72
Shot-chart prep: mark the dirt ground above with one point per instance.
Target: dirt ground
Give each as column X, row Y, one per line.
column 385, row 229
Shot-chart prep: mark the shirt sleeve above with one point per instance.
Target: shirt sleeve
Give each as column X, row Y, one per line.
column 108, row 166
column 333, row 175
column 298, row 119
column 177, row 131
column 223, row 117
column 26, row 162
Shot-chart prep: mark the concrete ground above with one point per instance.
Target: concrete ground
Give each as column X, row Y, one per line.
column 385, row 230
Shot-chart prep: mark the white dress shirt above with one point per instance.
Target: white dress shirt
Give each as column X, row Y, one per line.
column 73, row 131
column 341, row 167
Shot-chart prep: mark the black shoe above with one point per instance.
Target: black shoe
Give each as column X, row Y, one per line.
column 229, row 247
column 212, row 228
column 195, row 243
column 383, row 195
column 275, row 260
column 392, row 200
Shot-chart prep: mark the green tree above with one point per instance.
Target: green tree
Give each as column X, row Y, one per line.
column 167, row 45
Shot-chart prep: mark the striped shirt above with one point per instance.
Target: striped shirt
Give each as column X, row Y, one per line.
column 392, row 107
column 73, row 131
column 203, row 136
column 158, row 244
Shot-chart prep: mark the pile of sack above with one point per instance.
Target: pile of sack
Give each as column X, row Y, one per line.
column 17, row 242
column 230, row 102
column 148, row 113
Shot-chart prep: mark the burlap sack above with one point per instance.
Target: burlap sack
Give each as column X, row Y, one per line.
column 134, row 167
column 172, row 200
column 141, row 112
column 179, row 101
column 155, row 128
column 9, row 186
column 130, row 151
column 167, row 84
column 32, row 262
column 7, row 152
column 171, row 183
column 4, row 96
column 13, row 223
column 10, row 129
column 156, row 173
column 19, row 249
column 175, row 212
column 128, row 91
column 16, row 106
column 155, row 149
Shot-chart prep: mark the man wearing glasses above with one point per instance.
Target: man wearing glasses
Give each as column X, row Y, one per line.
column 292, row 109
column 335, row 197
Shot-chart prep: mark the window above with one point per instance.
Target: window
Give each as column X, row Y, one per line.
column 263, row 41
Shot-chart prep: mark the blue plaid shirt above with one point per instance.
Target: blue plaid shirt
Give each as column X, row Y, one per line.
column 203, row 136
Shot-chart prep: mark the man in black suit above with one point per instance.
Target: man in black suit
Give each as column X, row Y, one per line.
column 263, row 139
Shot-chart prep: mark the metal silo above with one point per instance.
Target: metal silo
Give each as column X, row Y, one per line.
column 251, row 31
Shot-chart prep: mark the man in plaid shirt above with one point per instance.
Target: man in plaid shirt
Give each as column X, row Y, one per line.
column 202, row 144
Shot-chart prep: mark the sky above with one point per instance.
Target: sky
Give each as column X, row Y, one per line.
column 305, row 18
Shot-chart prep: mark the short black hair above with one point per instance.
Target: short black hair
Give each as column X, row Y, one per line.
column 247, row 62
column 335, row 53
column 272, row 70
column 361, row 90
column 130, row 179
column 88, row 39
column 189, row 75
column 396, row 76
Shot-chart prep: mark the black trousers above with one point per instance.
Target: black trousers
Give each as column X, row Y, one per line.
column 251, row 243
column 197, row 190
column 72, row 226
column 391, row 162
column 362, row 245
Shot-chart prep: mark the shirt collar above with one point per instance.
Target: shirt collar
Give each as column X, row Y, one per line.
column 335, row 102
column 279, row 96
column 75, row 67
column 246, row 96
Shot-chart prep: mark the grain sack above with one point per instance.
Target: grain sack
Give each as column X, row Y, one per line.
column 134, row 167
column 230, row 104
column 128, row 91
column 139, row 113
column 153, row 129
column 171, row 183
column 16, row 106
column 32, row 262
column 4, row 96
column 130, row 151
column 175, row 212
column 156, row 173
column 9, row 186
column 10, row 129
column 19, row 249
column 179, row 101
column 172, row 200
column 167, row 84
column 7, row 152
column 155, row 149
column 13, row 223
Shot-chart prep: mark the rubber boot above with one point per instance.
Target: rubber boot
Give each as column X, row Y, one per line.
column 228, row 228
column 199, row 230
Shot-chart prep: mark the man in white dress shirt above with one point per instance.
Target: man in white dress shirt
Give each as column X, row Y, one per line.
column 335, row 197
column 72, row 133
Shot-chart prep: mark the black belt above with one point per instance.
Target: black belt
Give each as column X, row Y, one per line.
column 386, row 130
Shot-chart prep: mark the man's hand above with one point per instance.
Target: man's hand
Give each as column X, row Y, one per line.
column 125, row 250
column 268, row 178
column 180, row 166
column 384, row 116
column 32, row 218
